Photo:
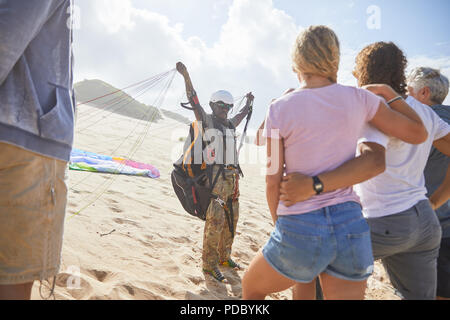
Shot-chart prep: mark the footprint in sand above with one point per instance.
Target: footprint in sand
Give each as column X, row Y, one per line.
column 101, row 275
column 181, row 240
column 125, row 221
column 249, row 224
column 195, row 279
column 126, row 291
column 115, row 209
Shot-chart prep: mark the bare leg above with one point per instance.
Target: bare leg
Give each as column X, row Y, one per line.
column 339, row 289
column 304, row 291
column 16, row 292
column 261, row 279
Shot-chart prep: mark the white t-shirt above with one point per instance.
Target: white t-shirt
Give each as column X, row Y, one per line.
column 402, row 185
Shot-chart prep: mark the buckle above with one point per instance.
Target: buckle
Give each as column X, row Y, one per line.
column 220, row 201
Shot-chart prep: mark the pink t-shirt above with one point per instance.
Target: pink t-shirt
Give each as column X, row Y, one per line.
column 320, row 128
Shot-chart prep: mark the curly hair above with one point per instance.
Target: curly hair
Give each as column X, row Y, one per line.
column 316, row 51
column 383, row 63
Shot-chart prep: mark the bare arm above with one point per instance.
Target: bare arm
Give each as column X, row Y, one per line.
column 442, row 194
column 401, row 121
column 443, row 145
column 275, row 167
column 190, row 92
column 297, row 187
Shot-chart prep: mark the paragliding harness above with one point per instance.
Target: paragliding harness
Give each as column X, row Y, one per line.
column 194, row 183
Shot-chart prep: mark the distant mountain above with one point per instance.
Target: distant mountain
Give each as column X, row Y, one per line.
column 120, row 102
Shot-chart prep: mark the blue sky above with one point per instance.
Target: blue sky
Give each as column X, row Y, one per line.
column 418, row 26
column 244, row 45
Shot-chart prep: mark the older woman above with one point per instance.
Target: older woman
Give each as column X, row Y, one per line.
column 312, row 130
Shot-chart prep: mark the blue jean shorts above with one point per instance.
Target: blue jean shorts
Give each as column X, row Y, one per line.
column 334, row 240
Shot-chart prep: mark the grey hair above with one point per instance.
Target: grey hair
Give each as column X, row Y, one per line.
column 423, row 77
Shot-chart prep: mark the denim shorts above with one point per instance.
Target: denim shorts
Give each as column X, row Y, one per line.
column 334, row 240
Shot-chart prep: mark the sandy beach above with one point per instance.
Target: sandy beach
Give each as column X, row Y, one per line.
column 128, row 237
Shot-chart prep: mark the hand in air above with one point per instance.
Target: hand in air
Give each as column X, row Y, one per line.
column 296, row 187
column 181, row 68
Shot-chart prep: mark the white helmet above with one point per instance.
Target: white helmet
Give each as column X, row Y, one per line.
column 223, row 96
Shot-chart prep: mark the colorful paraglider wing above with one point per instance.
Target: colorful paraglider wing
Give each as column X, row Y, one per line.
column 89, row 161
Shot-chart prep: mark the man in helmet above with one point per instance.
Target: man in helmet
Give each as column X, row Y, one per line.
column 221, row 151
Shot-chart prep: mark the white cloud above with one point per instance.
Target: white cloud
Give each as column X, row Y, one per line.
column 121, row 43
column 114, row 14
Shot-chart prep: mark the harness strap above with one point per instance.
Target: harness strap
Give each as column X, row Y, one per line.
column 228, row 208
column 230, row 216
column 193, row 101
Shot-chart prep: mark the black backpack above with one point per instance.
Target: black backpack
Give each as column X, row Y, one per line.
column 193, row 183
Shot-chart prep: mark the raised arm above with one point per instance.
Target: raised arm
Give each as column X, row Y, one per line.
column 248, row 108
column 399, row 121
column 190, row 92
column 297, row 187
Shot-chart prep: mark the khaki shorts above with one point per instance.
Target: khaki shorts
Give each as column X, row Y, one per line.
column 33, row 196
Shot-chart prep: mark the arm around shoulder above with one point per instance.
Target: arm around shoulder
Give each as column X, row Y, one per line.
column 442, row 194
column 443, row 145
column 401, row 122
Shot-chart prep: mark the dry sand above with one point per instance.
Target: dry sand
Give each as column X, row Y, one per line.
column 133, row 240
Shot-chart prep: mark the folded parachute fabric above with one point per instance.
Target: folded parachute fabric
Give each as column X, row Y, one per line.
column 89, row 161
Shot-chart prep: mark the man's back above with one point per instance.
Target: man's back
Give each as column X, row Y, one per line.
column 36, row 133
column 36, row 76
column 435, row 171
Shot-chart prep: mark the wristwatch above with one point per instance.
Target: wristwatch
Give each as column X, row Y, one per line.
column 317, row 185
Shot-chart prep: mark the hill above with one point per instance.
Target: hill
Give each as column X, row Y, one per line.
column 120, row 102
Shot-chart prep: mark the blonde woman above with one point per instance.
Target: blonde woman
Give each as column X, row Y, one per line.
column 311, row 130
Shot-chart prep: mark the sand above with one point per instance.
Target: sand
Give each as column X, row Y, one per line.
column 133, row 240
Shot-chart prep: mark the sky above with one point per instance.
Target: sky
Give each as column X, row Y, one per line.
column 244, row 45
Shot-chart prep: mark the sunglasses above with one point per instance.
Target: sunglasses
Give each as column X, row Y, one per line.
column 221, row 104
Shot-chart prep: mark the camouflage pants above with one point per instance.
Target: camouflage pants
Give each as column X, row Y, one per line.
column 217, row 238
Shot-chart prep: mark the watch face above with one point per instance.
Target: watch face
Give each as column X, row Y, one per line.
column 318, row 186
